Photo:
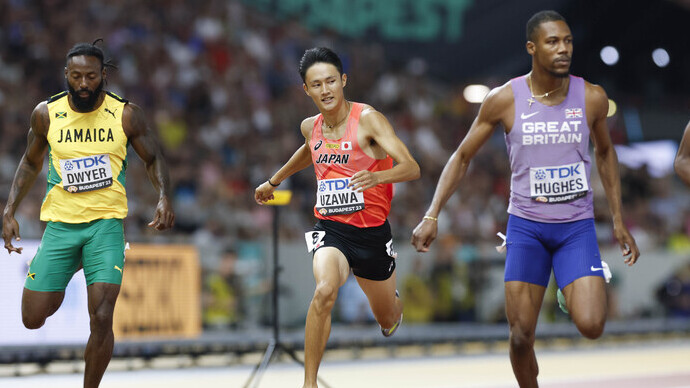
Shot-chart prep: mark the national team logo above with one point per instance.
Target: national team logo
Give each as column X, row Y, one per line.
column 318, row 145
column 60, row 115
column 573, row 113
column 346, row 146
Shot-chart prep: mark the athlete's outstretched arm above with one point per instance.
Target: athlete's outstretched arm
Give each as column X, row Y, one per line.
column 380, row 130
column 148, row 148
column 25, row 176
column 490, row 114
column 299, row 160
column 607, row 165
column 682, row 162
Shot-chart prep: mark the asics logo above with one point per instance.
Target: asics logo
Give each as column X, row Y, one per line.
column 593, row 268
column 525, row 117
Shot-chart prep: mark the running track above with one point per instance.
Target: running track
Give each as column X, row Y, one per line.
column 660, row 364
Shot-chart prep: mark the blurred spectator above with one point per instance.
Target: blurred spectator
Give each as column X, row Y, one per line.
column 674, row 293
column 416, row 295
column 222, row 294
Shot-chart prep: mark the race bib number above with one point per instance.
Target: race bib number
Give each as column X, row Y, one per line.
column 389, row 250
column 558, row 184
column 314, row 239
column 86, row 174
column 334, row 197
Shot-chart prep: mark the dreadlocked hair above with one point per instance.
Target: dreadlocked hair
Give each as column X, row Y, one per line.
column 91, row 50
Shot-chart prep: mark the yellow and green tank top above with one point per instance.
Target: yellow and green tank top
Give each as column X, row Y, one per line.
column 86, row 162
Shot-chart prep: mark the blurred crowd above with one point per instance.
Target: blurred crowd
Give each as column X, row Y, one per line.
column 219, row 84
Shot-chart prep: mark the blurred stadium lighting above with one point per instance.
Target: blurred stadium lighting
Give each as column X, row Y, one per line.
column 612, row 108
column 661, row 57
column 475, row 93
column 609, row 55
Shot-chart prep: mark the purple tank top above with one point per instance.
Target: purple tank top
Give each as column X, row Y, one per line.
column 548, row 148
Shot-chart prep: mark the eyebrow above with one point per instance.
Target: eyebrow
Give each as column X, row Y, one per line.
column 325, row 79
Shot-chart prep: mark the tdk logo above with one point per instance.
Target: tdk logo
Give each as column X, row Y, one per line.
column 558, row 172
column 334, row 184
column 87, row 162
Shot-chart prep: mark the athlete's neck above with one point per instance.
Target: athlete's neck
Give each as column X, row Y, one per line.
column 337, row 117
column 544, row 82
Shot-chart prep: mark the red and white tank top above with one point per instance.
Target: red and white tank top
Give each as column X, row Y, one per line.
column 335, row 162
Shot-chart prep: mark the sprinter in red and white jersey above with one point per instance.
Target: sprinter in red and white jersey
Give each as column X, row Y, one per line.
column 357, row 157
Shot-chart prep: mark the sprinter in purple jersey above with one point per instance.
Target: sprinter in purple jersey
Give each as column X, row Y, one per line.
column 549, row 117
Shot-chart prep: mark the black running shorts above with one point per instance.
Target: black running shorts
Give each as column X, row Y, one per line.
column 369, row 251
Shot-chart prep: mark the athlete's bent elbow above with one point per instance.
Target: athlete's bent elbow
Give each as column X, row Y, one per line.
column 415, row 172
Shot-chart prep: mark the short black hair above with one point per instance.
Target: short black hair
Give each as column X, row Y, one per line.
column 91, row 50
column 316, row 55
column 541, row 17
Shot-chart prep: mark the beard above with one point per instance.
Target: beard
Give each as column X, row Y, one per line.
column 85, row 104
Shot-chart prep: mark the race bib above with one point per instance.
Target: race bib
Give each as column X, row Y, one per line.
column 334, row 197
column 314, row 239
column 86, row 174
column 558, row 184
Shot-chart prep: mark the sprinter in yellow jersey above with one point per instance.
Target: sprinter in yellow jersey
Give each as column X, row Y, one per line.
column 85, row 131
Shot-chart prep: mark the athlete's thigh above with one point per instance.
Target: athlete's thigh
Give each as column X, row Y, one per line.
column 372, row 254
column 104, row 253
column 586, row 299
column 578, row 253
column 523, row 302
column 330, row 266
column 38, row 305
column 527, row 260
column 56, row 259
column 102, row 298
column 381, row 293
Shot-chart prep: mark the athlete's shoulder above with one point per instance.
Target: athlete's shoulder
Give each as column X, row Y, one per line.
column 497, row 101
column 308, row 125
column 370, row 115
column 594, row 91
column 500, row 94
column 116, row 97
column 40, row 118
column 596, row 100
column 366, row 108
column 56, row 97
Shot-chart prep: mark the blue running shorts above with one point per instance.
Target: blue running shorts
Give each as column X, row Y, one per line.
column 533, row 248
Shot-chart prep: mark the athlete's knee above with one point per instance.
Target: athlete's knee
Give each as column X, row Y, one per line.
column 521, row 339
column 391, row 315
column 33, row 321
column 101, row 320
column 591, row 328
column 325, row 296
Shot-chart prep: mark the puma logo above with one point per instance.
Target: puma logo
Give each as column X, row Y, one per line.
column 118, row 268
column 109, row 111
